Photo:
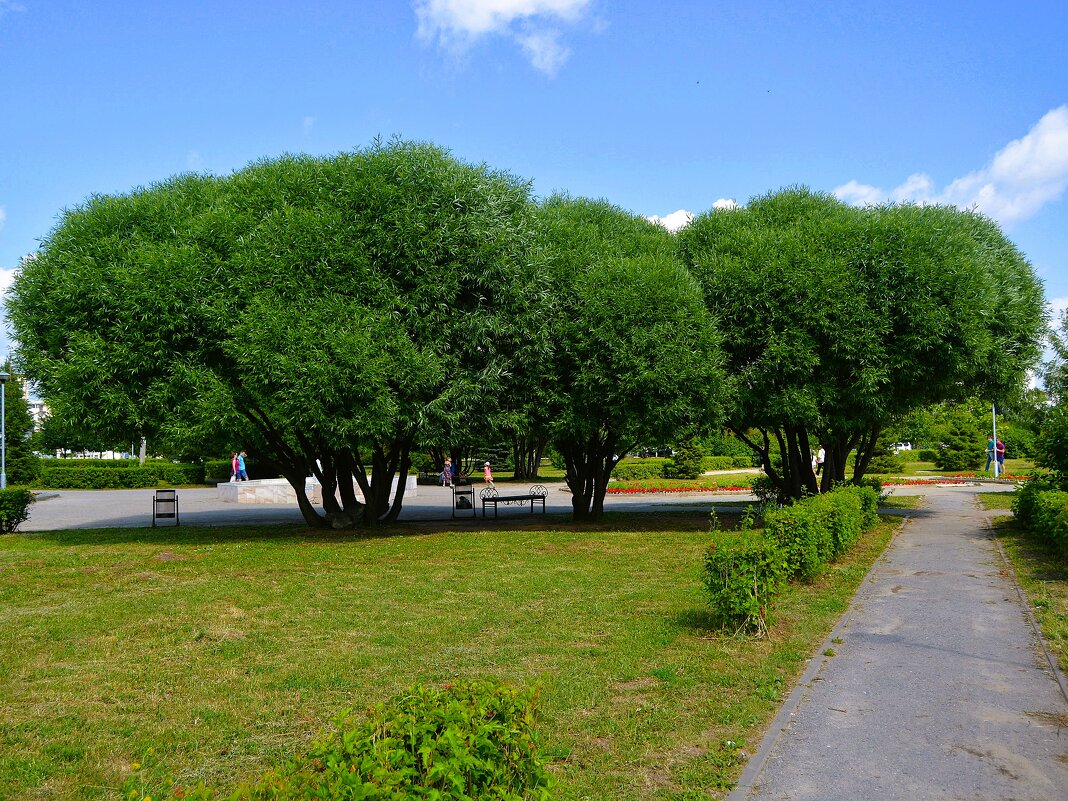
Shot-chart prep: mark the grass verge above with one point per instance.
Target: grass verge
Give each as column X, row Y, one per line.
column 220, row 652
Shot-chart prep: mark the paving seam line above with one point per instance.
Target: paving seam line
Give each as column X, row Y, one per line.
column 1058, row 674
column 755, row 767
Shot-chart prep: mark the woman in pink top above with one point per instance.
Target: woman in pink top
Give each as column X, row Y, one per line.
column 487, row 474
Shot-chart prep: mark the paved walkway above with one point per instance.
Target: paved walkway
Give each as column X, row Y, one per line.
column 939, row 688
column 72, row 509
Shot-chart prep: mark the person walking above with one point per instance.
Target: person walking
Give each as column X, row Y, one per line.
column 487, row 474
column 242, row 474
column 1000, row 450
column 446, row 473
column 990, row 452
column 821, row 455
column 233, row 467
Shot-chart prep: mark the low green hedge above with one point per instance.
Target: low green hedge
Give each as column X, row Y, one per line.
column 217, row 469
column 62, row 475
column 14, row 508
column 743, row 570
column 638, row 470
column 1043, row 508
column 460, row 742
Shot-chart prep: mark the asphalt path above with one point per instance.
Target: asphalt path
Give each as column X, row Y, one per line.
column 936, row 684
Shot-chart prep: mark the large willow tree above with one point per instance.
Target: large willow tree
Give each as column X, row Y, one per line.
column 837, row 320
column 327, row 310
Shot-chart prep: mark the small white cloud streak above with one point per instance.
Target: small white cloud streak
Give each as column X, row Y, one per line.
column 457, row 24
column 3, row 216
column 678, row 220
column 1022, row 177
column 307, row 125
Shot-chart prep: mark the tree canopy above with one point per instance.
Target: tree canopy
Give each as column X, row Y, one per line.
column 838, row 319
column 324, row 310
column 636, row 351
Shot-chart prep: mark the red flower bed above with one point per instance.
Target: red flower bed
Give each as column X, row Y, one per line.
column 651, row 490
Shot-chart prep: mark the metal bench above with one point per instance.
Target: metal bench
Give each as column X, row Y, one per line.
column 165, row 506
column 490, row 497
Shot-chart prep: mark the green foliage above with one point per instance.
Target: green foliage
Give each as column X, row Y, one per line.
column 1025, row 499
column 829, row 313
column 885, row 459
column 217, row 469
column 1052, row 446
column 468, row 741
column 742, row 572
column 22, row 464
column 640, row 469
column 14, row 508
column 927, row 455
column 314, row 309
column 1044, row 511
column 687, row 461
column 116, row 474
column 962, row 446
column 814, row 530
column 1020, row 441
column 726, row 462
column 726, row 444
column 637, row 354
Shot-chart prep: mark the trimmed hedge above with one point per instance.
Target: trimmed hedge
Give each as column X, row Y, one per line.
column 217, row 469
column 467, row 741
column 14, row 508
column 652, row 467
column 67, row 474
column 744, row 570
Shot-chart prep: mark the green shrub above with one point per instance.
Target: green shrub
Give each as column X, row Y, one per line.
column 802, row 532
column 819, row 528
column 765, row 490
column 1025, row 499
column 687, row 463
column 743, row 571
column 217, row 470
column 1051, row 450
column 640, row 469
column 1050, row 518
column 468, row 741
column 63, row 474
column 14, row 508
column 963, row 446
column 722, row 462
column 927, row 455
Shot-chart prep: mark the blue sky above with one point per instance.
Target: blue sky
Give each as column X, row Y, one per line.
column 658, row 107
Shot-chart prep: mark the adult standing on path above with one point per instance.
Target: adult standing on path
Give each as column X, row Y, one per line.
column 939, row 687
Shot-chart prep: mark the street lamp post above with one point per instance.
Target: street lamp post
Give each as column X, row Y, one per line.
column 3, row 431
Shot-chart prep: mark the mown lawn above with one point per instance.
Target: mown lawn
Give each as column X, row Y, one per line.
column 224, row 651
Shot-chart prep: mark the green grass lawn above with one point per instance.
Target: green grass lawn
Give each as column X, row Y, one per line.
column 226, row 650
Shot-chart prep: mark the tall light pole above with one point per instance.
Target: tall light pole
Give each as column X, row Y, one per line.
column 3, row 431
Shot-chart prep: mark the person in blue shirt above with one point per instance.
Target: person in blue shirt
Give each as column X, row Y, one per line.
column 241, row 474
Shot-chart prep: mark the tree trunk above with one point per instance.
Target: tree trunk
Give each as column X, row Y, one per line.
column 588, row 467
column 527, row 450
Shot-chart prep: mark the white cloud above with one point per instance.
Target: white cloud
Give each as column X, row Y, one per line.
column 532, row 24
column 307, row 125
column 1057, row 306
column 1022, row 177
column 7, row 275
column 725, row 203
column 674, row 221
column 3, row 216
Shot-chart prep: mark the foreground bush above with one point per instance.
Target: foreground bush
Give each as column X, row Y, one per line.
column 14, row 508
column 469, row 741
column 743, row 571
